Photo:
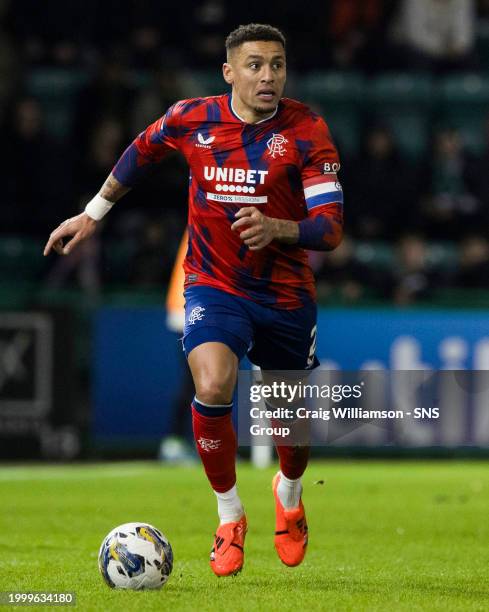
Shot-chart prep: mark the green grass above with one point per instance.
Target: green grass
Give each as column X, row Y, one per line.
column 383, row 536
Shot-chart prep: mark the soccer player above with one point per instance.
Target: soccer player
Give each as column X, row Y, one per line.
column 263, row 189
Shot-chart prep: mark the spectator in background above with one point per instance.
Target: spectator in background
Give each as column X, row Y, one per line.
column 473, row 272
column 108, row 94
column 9, row 65
column 357, row 29
column 36, row 174
column 206, row 21
column 146, row 47
column 341, row 277
column 166, row 189
column 153, row 260
column 105, row 141
column 162, row 89
column 435, row 34
column 65, row 54
column 48, row 33
column 449, row 207
column 380, row 187
column 478, row 176
column 483, row 25
column 412, row 278
column 84, row 269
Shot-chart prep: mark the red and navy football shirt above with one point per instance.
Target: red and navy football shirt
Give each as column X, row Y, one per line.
column 285, row 166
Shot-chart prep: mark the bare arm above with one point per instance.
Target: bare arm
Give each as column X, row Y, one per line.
column 112, row 190
column 83, row 225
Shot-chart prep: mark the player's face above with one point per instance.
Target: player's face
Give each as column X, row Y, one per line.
column 257, row 73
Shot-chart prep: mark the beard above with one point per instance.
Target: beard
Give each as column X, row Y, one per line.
column 260, row 110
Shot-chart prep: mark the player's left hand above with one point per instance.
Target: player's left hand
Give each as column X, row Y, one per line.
column 260, row 230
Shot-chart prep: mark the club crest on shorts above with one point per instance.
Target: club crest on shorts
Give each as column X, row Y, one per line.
column 196, row 314
column 276, row 145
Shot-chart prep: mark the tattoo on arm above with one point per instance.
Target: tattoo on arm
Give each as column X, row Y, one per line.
column 286, row 231
column 112, row 189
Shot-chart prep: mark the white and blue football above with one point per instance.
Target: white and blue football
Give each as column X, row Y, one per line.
column 135, row 556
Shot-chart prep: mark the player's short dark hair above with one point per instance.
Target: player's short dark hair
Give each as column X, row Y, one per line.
column 254, row 32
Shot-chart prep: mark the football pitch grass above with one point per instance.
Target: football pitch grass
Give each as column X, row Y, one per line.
column 383, row 536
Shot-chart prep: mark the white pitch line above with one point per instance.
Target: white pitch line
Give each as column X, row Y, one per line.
column 13, row 474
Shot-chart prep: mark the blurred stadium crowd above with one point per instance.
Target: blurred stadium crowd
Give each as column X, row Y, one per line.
column 404, row 86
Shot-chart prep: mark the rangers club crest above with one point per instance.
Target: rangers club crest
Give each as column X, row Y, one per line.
column 276, row 145
column 207, row 444
column 196, row 314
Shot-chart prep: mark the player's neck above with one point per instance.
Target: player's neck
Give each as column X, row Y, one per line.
column 248, row 115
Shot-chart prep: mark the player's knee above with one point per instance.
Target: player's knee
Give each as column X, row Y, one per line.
column 214, row 391
column 214, row 370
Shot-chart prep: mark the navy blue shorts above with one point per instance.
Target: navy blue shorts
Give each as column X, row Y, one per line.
column 273, row 338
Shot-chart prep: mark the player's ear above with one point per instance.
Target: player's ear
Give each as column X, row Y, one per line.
column 227, row 72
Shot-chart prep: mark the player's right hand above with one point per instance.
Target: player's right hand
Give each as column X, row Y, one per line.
column 80, row 228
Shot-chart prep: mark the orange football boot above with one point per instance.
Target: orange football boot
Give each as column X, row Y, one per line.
column 227, row 554
column 290, row 530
